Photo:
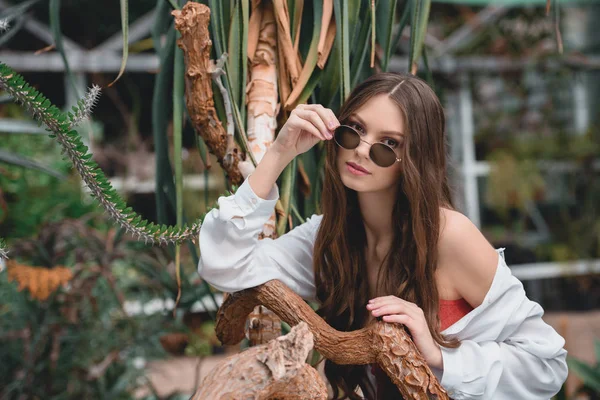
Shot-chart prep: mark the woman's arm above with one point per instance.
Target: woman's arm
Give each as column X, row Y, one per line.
column 231, row 256
column 507, row 351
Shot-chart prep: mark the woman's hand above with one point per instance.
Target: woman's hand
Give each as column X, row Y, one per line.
column 306, row 126
column 395, row 310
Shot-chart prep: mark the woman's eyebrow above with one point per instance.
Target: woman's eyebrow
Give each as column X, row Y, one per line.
column 362, row 122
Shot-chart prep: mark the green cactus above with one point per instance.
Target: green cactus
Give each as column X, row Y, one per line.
column 59, row 126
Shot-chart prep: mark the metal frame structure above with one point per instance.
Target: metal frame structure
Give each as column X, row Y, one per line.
column 106, row 57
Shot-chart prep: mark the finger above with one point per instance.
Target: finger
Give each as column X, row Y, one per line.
column 398, row 319
column 309, row 127
column 326, row 115
column 390, row 309
column 333, row 117
column 314, row 118
column 373, row 306
column 385, row 301
column 380, row 301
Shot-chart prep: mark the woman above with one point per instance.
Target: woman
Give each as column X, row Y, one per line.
column 389, row 245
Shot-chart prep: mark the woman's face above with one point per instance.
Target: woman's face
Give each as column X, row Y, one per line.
column 378, row 120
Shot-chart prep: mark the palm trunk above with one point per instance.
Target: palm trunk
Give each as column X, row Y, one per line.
column 262, row 90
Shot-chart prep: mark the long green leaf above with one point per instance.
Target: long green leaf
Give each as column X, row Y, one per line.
column 125, row 29
column 296, row 7
column 162, row 22
column 330, row 81
column 310, row 61
column 288, row 182
column 178, row 94
column 340, row 9
column 331, row 77
column 54, row 14
column 418, row 28
column 20, row 161
column 401, row 25
column 160, row 122
column 310, row 86
column 385, row 13
column 237, row 51
column 359, row 60
column 354, row 9
column 218, row 26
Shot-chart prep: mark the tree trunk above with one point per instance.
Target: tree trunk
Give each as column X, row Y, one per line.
column 276, row 370
column 192, row 22
column 385, row 344
column 262, row 90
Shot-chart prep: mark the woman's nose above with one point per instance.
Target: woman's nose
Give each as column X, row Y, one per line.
column 362, row 150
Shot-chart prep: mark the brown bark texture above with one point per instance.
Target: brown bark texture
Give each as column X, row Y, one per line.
column 192, row 21
column 388, row 345
column 276, row 370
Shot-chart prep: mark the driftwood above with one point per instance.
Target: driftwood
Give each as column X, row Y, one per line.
column 192, row 22
column 276, row 370
column 382, row 343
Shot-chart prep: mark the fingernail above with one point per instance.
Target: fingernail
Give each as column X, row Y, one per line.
column 329, row 135
column 331, row 124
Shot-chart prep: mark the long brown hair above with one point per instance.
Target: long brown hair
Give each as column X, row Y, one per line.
column 408, row 271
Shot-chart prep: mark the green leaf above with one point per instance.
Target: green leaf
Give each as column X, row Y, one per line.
column 589, row 375
column 288, row 182
column 54, row 16
column 360, row 57
column 125, row 29
column 385, row 13
column 418, row 28
column 160, row 122
column 238, row 44
column 20, row 161
column 218, row 26
column 312, row 56
column 178, row 94
column 342, row 36
column 162, row 24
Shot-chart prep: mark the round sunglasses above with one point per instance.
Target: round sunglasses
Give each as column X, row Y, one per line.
column 380, row 153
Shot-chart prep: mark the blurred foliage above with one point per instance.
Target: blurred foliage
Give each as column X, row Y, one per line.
column 544, row 176
column 513, row 182
column 58, row 347
column 589, row 374
column 29, row 198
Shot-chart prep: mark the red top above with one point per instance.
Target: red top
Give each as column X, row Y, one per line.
column 450, row 311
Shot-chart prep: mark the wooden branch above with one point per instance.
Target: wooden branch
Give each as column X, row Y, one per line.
column 276, row 370
column 192, row 22
column 385, row 344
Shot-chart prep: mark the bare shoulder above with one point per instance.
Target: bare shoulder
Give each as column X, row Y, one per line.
column 466, row 256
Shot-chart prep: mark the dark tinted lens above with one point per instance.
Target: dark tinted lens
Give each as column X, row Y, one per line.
column 382, row 155
column 347, row 137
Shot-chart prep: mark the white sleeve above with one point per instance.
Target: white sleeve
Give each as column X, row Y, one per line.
column 513, row 354
column 232, row 258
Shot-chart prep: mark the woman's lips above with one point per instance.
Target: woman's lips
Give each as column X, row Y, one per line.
column 356, row 169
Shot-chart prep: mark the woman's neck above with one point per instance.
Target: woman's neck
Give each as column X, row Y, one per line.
column 376, row 210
